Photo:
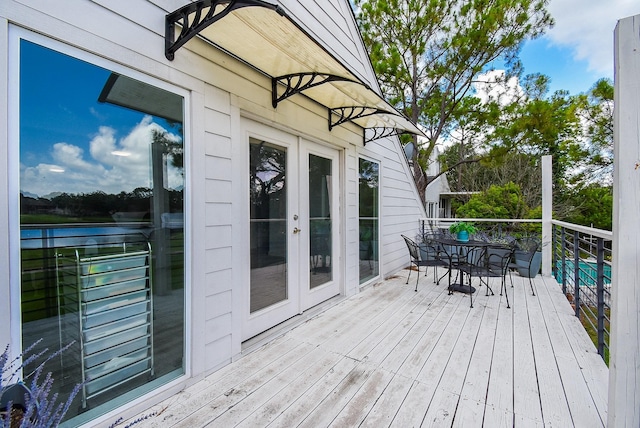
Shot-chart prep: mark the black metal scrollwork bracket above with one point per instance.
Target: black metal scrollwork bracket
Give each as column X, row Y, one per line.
column 298, row 82
column 347, row 114
column 380, row 132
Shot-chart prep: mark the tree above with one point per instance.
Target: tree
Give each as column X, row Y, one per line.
column 539, row 124
column 520, row 168
column 496, row 202
column 592, row 206
column 428, row 54
column 596, row 112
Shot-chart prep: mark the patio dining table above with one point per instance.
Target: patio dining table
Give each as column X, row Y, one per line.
column 466, row 254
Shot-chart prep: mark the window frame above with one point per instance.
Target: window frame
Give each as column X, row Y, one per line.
column 362, row 284
column 15, row 35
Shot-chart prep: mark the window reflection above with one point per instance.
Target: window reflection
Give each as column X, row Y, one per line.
column 101, row 226
column 368, row 223
column 268, row 226
column 320, row 246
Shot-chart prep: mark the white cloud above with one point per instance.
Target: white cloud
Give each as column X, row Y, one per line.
column 586, row 27
column 70, row 156
column 491, row 86
column 112, row 165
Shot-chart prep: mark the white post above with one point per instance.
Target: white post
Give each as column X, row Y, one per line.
column 624, row 360
column 547, row 213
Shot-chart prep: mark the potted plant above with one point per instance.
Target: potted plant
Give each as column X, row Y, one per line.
column 462, row 229
column 31, row 405
column 528, row 258
column 15, row 400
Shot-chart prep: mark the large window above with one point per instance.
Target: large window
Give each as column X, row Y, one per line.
column 368, row 216
column 101, row 228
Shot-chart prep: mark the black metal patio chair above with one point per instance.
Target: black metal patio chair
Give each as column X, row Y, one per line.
column 487, row 261
column 427, row 254
column 497, row 261
column 461, row 259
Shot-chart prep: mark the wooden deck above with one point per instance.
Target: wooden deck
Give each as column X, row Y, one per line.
column 392, row 357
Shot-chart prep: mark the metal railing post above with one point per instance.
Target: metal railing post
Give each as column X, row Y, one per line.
column 563, row 250
column 554, row 254
column 576, row 271
column 600, row 290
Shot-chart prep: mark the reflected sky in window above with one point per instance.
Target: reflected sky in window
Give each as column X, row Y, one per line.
column 70, row 142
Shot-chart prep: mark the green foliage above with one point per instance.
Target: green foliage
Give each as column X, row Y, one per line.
column 520, row 168
column 534, row 213
column 496, row 202
column 429, row 57
column 540, row 124
column 96, row 206
column 592, row 206
column 595, row 160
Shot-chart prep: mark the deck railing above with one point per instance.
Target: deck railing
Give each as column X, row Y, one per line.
column 493, row 227
column 582, row 266
column 580, row 262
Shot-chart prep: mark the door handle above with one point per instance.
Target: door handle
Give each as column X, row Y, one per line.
column 296, row 230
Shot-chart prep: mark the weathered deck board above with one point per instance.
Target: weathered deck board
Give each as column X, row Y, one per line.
column 499, row 399
column 555, row 409
column 526, row 393
column 594, row 375
column 391, row 356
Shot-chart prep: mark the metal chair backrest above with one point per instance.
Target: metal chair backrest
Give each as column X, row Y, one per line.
column 499, row 258
column 413, row 248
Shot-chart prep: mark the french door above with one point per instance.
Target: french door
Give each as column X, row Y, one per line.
column 319, row 209
column 294, row 229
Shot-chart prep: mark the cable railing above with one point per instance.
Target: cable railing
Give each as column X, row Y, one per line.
column 581, row 263
column 517, row 228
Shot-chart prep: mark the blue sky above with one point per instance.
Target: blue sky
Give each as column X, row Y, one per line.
column 61, row 100
column 69, row 141
column 578, row 50
column 566, row 72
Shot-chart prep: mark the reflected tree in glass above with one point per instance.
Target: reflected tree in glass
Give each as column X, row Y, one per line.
column 368, row 191
column 268, row 225
column 320, row 225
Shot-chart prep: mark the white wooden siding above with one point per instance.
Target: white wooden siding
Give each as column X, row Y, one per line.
column 219, row 233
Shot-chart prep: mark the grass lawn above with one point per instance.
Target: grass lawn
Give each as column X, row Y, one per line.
column 590, row 322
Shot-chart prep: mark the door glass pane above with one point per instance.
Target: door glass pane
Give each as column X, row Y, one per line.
column 368, row 224
column 268, row 229
column 320, row 220
column 101, row 228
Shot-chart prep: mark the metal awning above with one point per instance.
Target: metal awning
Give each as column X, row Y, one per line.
column 263, row 36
